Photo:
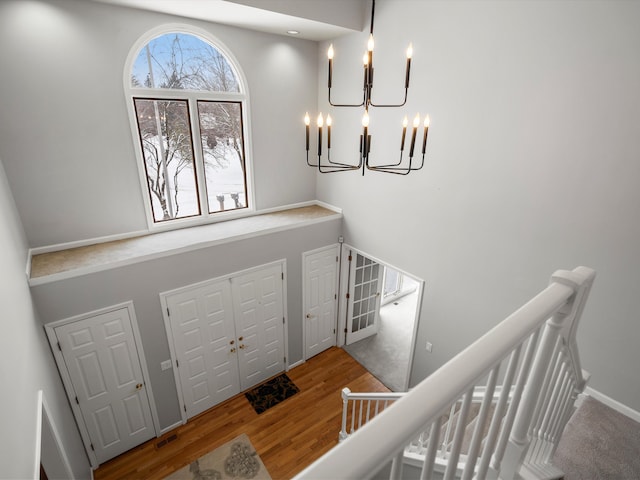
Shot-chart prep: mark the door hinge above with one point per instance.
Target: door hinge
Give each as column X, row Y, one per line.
column 345, row 330
column 350, row 258
column 177, row 364
column 283, row 320
column 334, row 331
column 92, row 447
column 185, row 407
column 77, row 401
column 285, row 359
column 336, row 258
column 335, row 296
column 348, row 296
column 59, row 347
column 168, row 312
column 282, row 274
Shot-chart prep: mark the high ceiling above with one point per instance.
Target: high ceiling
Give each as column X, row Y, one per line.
column 315, row 19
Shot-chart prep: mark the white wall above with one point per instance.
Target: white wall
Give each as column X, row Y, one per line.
column 66, row 139
column 532, row 166
column 143, row 282
column 26, row 364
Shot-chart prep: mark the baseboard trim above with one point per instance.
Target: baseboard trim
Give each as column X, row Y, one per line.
column 610, row 402
column 294, row 365
column 169, row 428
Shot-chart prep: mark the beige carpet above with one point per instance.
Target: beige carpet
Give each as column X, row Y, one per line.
column 599, row 444
column 236, row 459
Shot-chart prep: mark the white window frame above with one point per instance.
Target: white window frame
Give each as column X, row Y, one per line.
column 192, row 98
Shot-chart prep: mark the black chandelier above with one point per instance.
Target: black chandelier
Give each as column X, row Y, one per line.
column 326, row 165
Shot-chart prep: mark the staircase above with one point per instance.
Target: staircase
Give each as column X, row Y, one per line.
column 496, row 410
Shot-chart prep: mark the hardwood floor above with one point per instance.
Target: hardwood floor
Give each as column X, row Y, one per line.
column 288, row 437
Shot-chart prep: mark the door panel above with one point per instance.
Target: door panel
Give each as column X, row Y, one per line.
column 102, row 361
column 259, row 312
column 203, row 334
column 364, row 292
column 320, row 301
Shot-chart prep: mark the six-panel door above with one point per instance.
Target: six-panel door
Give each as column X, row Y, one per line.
column 228, row 336
column 320, row 301
column 203, row 331
column 102, row 360
column 257, row 303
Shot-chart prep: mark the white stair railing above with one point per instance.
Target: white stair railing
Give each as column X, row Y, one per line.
column 528, row 369
column 359, row 408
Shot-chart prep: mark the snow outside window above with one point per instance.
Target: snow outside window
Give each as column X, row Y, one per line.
column 188, row 104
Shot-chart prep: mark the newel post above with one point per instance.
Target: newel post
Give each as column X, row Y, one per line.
column 345, row 405
column 563, row 322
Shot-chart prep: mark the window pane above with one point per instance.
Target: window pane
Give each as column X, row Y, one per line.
column 165, row 137
column 183, row 61
column 223, row 151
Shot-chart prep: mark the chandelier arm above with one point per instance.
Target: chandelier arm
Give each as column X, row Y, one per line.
column 397, row 170
column 348, row 104
column 334, row 167
column 406, row 91
column 389, row 164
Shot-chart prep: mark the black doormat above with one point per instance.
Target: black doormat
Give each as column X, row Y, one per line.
column 271, row 393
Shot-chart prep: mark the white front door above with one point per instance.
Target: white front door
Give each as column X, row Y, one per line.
column 364, row 294
column 320, row 300
column 203, row 331
column 101, row 358
column 259, row 313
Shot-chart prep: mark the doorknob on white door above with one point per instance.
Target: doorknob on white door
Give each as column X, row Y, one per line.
column 309, row 315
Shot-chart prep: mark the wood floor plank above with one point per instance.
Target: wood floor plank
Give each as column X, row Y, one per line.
column 288, row 436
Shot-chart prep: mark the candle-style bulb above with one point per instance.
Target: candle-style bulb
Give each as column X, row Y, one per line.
column 365, row 59
column 365, row 119
column 410, row 51
column 320, row 120
column 370, row 43
column 424, row 135
column 416, row 122
column 405, row 122
column 307, row 120
column 329, row 121
column 330, row 52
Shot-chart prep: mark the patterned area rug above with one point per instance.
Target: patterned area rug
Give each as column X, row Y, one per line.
column 234, row 460
column 271, row 393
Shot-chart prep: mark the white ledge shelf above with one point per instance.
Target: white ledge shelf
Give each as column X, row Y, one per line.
column 74, row 262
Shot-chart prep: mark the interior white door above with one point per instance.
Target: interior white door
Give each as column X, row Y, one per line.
column 320, row 300
column 364, row 292
column 259, row 313
column 203, row 331
column 102, row 360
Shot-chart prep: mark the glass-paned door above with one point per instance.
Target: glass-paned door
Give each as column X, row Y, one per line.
column 364, row 293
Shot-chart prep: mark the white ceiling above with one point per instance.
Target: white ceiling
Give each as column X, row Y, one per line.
column 315, row 19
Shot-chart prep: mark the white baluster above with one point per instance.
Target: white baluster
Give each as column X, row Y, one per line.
column 452, row 464
column 476, row 439
column 430, row 455
column 396, row 466
column 513, row 406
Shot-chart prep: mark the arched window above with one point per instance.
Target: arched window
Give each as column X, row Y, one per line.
column 188, row 106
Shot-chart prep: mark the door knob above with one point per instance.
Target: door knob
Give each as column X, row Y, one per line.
column 240, row 339
column 242, row 346
column 309, row 315
column 139, row 386
column 233, row 350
